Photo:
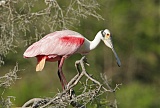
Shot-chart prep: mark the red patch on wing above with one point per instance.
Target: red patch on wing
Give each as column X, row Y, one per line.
column 73, row 40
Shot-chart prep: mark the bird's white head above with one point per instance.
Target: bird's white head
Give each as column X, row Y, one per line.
column 107, row 39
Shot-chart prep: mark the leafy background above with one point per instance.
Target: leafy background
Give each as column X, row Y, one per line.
column 135, row 29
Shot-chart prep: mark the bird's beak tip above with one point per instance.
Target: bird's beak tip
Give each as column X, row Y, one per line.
column 119, row 65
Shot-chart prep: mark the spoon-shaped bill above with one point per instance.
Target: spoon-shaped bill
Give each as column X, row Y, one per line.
column 117, row 58
column 108, row 43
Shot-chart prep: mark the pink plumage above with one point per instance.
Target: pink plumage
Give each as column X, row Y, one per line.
column 55, row 46
column 59, row 45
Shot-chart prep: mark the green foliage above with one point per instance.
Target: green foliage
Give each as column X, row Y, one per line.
column 137, row 95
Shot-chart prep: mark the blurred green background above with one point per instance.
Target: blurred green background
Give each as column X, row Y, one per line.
column 135, row 28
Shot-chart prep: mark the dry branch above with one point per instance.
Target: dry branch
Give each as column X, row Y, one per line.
column 5, row 82
column 9, row 78
column 19, row 20
column 68, row 96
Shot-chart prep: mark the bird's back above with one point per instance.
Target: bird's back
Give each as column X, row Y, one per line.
column 65, row 42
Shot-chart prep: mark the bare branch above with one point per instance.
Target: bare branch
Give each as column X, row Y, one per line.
column 68, row 96
column 6, row 81
column 9, row 78
column 18, row 20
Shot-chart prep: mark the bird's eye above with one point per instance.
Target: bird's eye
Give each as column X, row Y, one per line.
column 108, row 34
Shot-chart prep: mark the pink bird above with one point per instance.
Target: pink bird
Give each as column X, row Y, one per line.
column 59, row 45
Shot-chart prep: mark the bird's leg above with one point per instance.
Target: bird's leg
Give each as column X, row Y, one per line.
column 60, row 73
column 63, row 80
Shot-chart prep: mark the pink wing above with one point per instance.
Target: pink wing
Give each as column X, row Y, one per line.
column 63, row 43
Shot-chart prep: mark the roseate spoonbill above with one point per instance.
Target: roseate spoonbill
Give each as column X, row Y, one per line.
column 60, row 45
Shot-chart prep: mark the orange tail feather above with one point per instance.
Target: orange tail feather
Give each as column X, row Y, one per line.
column 41, row 62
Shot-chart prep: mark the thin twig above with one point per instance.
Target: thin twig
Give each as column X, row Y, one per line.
column 68, row 96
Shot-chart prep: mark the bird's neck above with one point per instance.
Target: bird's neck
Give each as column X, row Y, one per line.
column 95, row 42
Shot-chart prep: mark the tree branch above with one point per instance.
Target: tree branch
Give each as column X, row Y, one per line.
column 68, row 96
